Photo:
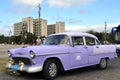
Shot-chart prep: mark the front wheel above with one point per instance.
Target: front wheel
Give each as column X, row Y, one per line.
column 103, row 64
column 50, row 70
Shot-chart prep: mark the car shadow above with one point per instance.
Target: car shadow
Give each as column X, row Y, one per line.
column 70, row 73
column 26, row 76
column 38, row 76
column 78, row 71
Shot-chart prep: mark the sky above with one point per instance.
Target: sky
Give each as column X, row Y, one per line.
column 78, row 15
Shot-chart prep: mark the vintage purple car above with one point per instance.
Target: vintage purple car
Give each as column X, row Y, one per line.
column 62, row 51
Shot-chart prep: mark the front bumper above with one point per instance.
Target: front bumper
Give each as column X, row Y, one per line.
column 28, row 69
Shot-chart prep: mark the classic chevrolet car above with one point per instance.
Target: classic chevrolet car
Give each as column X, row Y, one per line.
column 61, row 51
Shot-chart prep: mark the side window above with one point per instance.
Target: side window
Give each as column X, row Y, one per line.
column 90, row 41
column 97, row 42
column 65, row 40
column 77, row 40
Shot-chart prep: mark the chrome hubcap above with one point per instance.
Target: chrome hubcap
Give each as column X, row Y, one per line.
column 103, row 63
column 52, row 69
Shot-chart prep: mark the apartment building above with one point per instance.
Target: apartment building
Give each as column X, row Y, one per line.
column 38, row 27
column 51, row 29
column 34, row 26
column 56, row 28
column 17, row 28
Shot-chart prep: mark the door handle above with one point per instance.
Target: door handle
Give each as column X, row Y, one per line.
column 85, row 47
column 97, row 46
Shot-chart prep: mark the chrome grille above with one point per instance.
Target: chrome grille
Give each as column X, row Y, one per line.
column 26, row 61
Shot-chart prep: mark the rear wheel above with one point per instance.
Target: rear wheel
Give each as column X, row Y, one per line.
column 103, row 64
column 50, row 70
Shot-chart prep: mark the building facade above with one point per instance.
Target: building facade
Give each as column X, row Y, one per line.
column 17, row 28
column 56, row 28
column 28, row 24
column 60, row 27
column 51, row 29
column 38, row 27
column 34, row 26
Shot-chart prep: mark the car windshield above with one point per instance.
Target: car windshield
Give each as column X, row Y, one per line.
column 56, row 40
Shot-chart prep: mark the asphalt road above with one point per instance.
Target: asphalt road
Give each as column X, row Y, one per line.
column 87, row 73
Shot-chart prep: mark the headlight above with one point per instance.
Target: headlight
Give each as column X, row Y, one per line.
column 32, row 54
column 9, row 54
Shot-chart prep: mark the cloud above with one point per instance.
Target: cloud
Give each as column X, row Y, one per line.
column 74, row 21
column 96, row 28
column 21, row 10
column 83, row 12
column 24, row 6
column 27, row 6
column 5, row 30
column 68, row 3
column 27, row 2
column 58, row 3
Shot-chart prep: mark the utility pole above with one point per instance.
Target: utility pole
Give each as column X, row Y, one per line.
column 105, row 31
column 39, row 21
column 39, row 9
column 9, row 35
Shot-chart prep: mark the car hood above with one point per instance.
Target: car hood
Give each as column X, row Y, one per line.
column 41, row 50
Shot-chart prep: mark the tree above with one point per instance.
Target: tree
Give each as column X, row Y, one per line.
column 2, row 38
column 30, row 38
column 100, row 36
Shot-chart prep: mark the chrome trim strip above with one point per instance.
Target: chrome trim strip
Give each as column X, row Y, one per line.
column 47, row 54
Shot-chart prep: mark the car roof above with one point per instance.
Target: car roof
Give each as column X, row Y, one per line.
column 76, row 34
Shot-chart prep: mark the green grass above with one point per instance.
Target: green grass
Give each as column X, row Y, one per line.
column 3, row 62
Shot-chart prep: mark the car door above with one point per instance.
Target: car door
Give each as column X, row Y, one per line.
column 78, row 52
column 94, row 48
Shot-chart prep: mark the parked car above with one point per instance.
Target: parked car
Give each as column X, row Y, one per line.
column 118, row 49
column 61, row 52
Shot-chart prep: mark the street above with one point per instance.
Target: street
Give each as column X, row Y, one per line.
column 4, row 48
column 87, row 73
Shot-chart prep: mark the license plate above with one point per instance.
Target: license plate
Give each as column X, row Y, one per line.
column 15, row 67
